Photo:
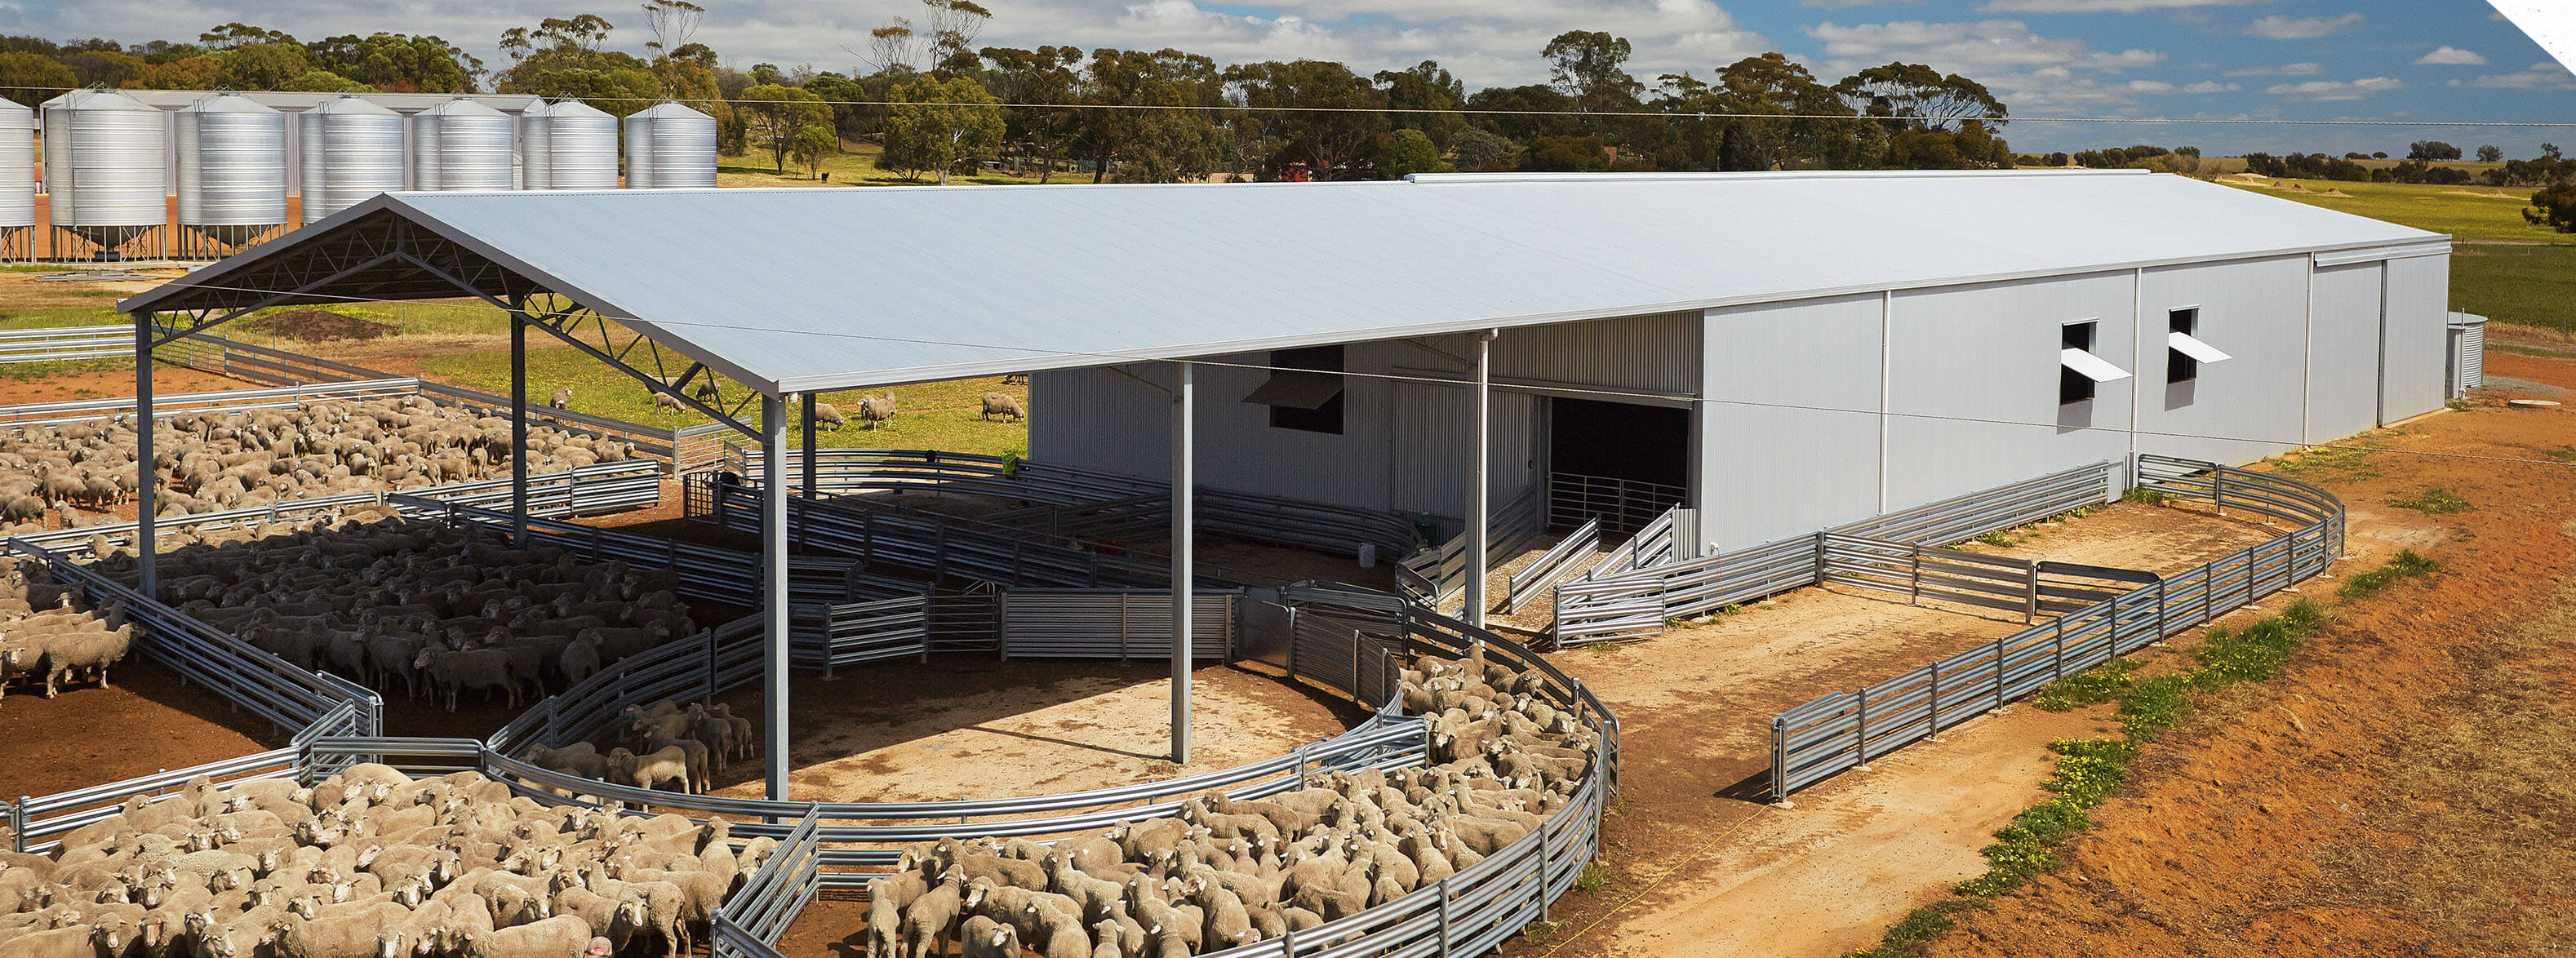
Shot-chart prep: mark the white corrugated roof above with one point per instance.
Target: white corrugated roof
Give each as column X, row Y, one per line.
column 801, row 289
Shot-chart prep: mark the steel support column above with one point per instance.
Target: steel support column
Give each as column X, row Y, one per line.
column 773, row 588
column 147, row 476
column 1183, row 520
column 1479, row 509
column 807, row 401
column 518, row 430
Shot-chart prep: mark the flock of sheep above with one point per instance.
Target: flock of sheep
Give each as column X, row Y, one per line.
column 1224, row 873
column 231, row 460
column 368, row 863
column 416, row 606
column 666, row 746
column 48, row 638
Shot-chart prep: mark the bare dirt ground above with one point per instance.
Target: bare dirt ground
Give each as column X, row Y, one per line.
column 2402, row 790
column 148, row 722
column 110, row 383
column 973, row 727
column 2231, row 854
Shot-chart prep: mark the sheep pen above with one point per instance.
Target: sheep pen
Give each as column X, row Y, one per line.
column 259, row 457
column 369, row 863
column 1225, row 873
column 414, row 608
column 50, row 639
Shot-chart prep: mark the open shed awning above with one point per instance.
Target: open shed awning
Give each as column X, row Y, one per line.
column 793, row 290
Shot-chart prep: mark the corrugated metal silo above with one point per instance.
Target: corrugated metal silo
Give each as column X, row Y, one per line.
column 17, row 170
column 103, row 155
column 581, row 148
column 353, row 150
column 472, row 147
column 534, row 171
column 232, row 168
column 424, row 151
column 670, row 146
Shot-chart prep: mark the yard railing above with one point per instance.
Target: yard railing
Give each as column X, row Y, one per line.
column 1843, row 729
column 1652, row 578
column 751, row 921
column 63, row 343
column 1444, row 570
column 1566, row 557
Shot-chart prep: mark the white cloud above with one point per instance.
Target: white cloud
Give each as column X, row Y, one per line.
column 2284, row 70
column 2540, row 76
column 2278, row 27
column 2163, row 87
column 1975, row 49
column 2336, row 89
column 2211, row 86
column 2452, row 56
column 2102, row 6
column 1848, row 4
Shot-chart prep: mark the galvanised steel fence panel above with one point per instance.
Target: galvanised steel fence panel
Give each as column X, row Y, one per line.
column 2003, row 507
column 59, row 343
column 1514, row 525
column 1625, row 504
column 705, row 572
column 828, row 637
column 38, row 823
column 1836, row 731
column 1275, row 520
column 939, row 546
column 1114, row 623
column 1564, row 558
column 758, row 914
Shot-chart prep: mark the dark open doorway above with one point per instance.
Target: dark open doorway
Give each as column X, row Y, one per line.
column 1626, row 463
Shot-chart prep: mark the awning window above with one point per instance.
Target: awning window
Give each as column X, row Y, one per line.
column 1297, row 389
column 2090, row 366
column 2189, row 345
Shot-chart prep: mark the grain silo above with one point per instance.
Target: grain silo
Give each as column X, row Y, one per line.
column 670, row 146
column 17, row 179
column 534, row 134
column 352, row 150
column 232, row 173
column 106, row 185
column 581, row 148
column 470, row 144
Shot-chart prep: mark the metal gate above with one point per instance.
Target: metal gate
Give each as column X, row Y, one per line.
column 1623, row 505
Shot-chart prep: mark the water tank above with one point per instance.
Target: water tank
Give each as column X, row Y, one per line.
column 472, row 147
column 353, row 150
column 103, row 170
column 670, row 146
column 232, row 168
column 581, row 148
column 17, row 168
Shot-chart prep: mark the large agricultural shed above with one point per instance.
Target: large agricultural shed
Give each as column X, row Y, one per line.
column 1783, row 352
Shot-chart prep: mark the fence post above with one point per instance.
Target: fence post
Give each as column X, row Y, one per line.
column 2030, row 592
column 1122, row 622
column 1914, row 579
column 2218, row 489
column 2057, row 668
column 1860, row 728
column 1444, row 916
column 18, row 837
column 1999, row 672
column 1935, row 703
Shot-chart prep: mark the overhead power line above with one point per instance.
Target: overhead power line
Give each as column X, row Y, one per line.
column 1032, row 352
column 1475, row 111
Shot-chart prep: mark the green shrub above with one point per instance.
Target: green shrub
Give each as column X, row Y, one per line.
column 2406, row 564
column 2102, row 683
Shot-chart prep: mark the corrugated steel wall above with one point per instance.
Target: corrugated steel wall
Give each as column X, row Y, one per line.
column 1658, row 353
column 1109, row 422
column 1434, row 444
column 2419, row 289
column 1766, row 471
column 1976, row 371
column 2256, row 312
column 2343, row 351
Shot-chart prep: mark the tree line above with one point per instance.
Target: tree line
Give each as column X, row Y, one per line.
column 939, row 104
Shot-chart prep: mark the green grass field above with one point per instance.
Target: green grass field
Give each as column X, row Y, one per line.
column 2503, row 267
column 942, row 415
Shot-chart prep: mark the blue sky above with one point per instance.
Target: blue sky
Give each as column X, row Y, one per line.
column 2413, row 60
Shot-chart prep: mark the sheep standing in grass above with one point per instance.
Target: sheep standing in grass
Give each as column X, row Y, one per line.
column 997, row 404
column 829, row 415
column 562, row 399
column 877, row 411
column 665, row 402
